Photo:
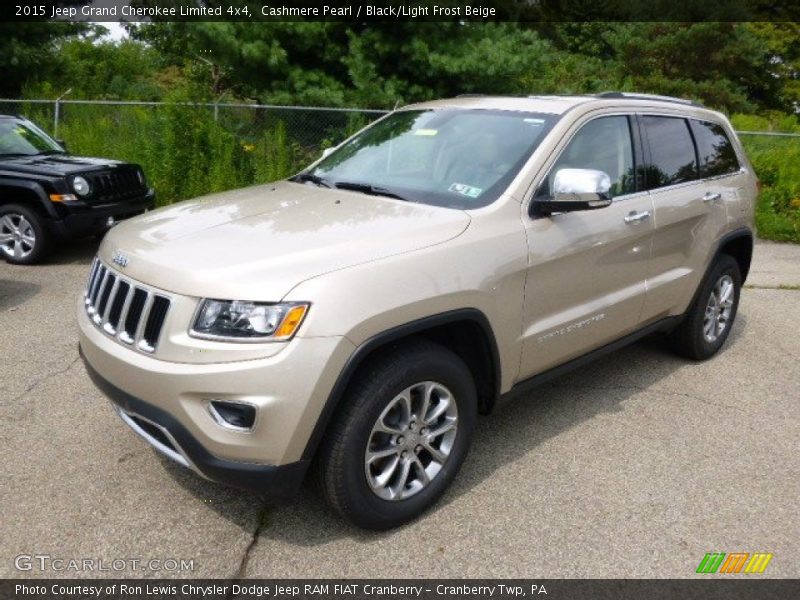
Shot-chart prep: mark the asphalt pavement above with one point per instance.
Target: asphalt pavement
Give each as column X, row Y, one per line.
column 635, row 466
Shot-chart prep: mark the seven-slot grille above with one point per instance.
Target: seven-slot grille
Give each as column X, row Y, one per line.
column 117, row 185
column 133, row 314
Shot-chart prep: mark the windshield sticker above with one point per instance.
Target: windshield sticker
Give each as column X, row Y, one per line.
column 465, row 190
column 428, row 132
column 534, row 121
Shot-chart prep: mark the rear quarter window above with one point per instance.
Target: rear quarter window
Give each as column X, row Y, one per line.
column 714, row 149
column 672, row 152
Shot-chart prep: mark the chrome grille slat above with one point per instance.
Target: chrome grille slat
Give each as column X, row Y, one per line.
column 114, row 308
column 105, row 295
column 123, row 315
column 148, row 303
column 154, row 323
column 131, row 313
column 92, row 275
column 101, row 290
column 99, row 277
column 110, row 302
column 133, row 316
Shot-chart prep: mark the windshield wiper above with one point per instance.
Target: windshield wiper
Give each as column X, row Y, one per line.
column 312, row 178
column 368, row 189
column 48, row 152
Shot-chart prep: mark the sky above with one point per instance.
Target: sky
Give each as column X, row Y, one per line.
column 115, row 31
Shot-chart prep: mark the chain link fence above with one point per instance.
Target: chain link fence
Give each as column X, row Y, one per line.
column 191, row 149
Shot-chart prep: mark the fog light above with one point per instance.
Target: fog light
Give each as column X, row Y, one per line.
column 110, row 222
column 233, row 415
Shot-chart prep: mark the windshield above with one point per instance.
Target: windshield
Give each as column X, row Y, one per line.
column 23, row 138
column 459, row 158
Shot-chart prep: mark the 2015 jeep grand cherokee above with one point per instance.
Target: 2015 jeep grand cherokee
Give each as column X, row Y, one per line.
column 365, row 311
column 47, row 194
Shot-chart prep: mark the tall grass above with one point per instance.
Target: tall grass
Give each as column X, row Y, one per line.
column 777, row 164
column 184, row 151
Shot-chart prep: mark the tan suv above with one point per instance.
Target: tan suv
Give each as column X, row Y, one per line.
column 361, row 314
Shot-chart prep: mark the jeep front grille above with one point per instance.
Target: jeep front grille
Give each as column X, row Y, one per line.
column 114, row 186
column 125, row 310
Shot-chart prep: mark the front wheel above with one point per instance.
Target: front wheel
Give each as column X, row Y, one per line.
column 401, row 436
column 710, row 318
column 23, row 237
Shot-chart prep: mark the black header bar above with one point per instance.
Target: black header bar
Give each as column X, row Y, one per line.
column 393, row 10
column 711, row 587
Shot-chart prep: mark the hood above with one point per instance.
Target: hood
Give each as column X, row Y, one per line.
column 55, row 165
column 258, row 243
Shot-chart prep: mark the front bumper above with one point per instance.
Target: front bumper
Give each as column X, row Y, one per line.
column 167, row 435
column 77, row 219
column 168, row 403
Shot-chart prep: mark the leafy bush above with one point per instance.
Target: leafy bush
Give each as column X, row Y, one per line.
column 777, row 163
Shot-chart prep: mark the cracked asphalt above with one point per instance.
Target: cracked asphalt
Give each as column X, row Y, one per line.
column 635, row 466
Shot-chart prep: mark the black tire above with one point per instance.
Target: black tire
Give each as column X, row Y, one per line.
column 22, row 251
column 689, row 338
column 377, row 385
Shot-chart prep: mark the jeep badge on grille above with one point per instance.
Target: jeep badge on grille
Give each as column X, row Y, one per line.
column 120, row 259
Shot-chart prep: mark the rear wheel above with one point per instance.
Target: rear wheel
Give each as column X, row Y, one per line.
column 23, row 237
column 401, row 436
column 710, row 318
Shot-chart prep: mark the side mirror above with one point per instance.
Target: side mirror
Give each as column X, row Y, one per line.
column 577, row 189
column 327, row 152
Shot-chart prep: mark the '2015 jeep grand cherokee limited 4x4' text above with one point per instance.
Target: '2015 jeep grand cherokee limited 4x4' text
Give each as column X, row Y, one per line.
column 364, row 312
column 48, row 195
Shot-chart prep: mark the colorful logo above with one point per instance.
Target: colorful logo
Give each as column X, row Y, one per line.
column 735, row 562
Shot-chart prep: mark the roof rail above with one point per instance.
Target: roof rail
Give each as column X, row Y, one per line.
column 635, row 96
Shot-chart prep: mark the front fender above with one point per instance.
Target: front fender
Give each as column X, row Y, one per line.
column 30, row 191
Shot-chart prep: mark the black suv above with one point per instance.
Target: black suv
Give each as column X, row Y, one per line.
column 47, row 195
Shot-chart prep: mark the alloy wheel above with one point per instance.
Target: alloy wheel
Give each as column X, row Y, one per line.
column 17, row 236
column 411, row 441
column 718, row 309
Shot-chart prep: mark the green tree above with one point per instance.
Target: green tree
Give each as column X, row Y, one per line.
column 31, row 49
column 781, row 42
column 734, row 66
column 721, row 64
column 372, row 65
column 97, row 69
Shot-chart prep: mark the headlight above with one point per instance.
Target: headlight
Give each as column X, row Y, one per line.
column 244, row 321
column 81, row 186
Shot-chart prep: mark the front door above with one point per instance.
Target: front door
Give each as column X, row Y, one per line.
column 586, row 279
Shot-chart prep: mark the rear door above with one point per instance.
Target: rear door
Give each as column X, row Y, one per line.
column 689, row 213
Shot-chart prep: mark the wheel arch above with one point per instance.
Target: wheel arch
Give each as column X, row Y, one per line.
column 26, row 193
column 739, row 245
column 466, row 332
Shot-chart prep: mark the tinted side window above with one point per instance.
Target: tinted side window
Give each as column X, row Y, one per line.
column 714, row 148
column 672, row 155
column 603, row 144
